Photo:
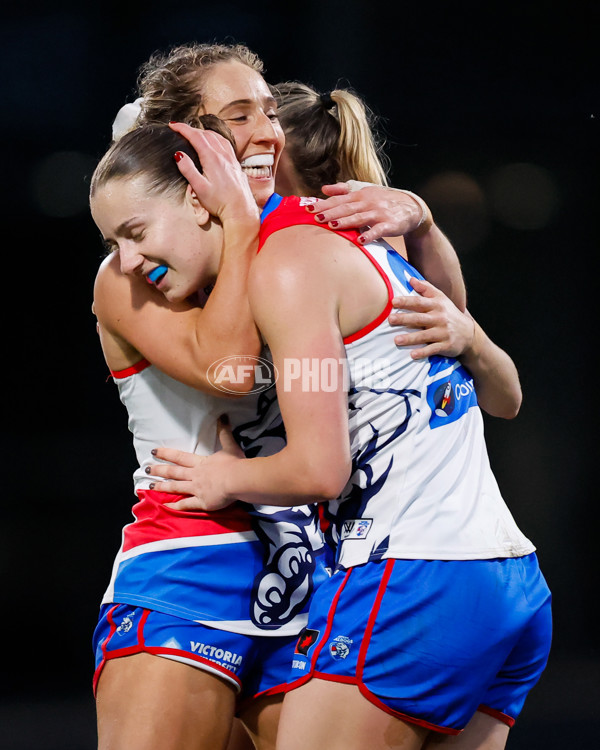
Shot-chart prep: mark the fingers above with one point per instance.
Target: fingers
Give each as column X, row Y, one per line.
column 340, row 188
column 227, row 440
column 169, row 471
column 176, row 456
column 186, row 503
column 425, row 288
column 188, row 169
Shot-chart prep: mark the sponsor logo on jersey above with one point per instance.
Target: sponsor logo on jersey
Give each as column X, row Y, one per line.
column 339, row 648
column 307, row 639
column 217, row 655
column 356, row 528
column 451, row 396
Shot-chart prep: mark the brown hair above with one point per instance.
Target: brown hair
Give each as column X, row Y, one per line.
column 171, row 83
column 329, row 137
column 149, row 150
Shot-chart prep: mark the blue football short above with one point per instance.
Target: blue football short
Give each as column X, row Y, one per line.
column 253, row 665
column 431, row 641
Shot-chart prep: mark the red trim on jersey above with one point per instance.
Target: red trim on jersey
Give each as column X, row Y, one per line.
column 386, row 310
column 504, row 718
column 132, row 370
column 155, row 522
column 291, row 213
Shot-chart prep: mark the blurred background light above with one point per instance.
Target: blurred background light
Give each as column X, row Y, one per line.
column 459, row 206
column 523, row 196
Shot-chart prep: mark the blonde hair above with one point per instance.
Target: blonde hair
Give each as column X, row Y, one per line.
column 171, row 83
column 329, row 137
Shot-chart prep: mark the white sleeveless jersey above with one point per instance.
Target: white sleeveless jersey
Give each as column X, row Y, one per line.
column 165, row 413
column 221, row 568
column 421, row 484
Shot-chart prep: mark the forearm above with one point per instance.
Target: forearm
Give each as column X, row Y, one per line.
column 227, row 310
column 432, row 254
column 495, row 376
column 284, row 479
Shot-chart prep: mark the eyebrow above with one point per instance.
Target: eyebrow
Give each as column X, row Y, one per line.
column 268, row 100
column 127, row 224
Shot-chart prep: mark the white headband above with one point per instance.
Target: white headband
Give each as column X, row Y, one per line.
column 126, row 118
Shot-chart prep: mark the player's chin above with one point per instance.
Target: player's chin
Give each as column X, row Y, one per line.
column 262, row 189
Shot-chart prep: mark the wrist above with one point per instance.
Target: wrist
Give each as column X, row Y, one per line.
column 473, row 350
column 425, row 222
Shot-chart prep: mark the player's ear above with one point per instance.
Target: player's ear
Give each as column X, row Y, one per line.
column 202, row 215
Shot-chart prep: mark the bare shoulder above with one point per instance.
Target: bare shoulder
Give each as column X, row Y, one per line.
column 295, row 252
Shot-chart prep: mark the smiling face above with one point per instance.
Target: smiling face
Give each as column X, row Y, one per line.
column 239, row 96
column 169, row 240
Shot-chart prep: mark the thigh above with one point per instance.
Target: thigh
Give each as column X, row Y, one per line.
column 146, row 702
column 336, row 716
column 483, row 732
column 124, row 630
column 261, row 720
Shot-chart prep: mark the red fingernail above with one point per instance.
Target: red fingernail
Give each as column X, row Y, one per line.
column 320, row 217
column 361, row 239
column 310, row 208
column 178, row 155
column 333, row 224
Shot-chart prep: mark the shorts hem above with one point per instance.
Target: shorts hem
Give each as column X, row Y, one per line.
column 170, row 653
column 372, row 698
column 496, row 714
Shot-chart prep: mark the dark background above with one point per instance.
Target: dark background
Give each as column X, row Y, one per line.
column 490, row 113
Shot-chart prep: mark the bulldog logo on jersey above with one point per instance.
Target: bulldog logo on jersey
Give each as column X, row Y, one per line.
column 339, row 648
column 126, row 624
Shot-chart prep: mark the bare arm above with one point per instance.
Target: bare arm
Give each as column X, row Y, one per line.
column 182, row 339
column 446, row 331
column 315, row 464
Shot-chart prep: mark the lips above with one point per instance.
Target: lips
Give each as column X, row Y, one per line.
column 157, row 275
column 258, row 165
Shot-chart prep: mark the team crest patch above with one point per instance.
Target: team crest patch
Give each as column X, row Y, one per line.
column 307, row 639
column 356, row 528
column 339, row 648
column 126, row 624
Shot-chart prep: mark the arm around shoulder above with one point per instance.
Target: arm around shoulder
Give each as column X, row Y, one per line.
column 181, row 339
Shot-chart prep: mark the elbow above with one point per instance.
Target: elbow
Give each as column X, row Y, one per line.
column 327, row 482
column 508, row 408
column 513, row 410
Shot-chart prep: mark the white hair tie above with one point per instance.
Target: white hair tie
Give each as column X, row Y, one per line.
column 126, row 118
